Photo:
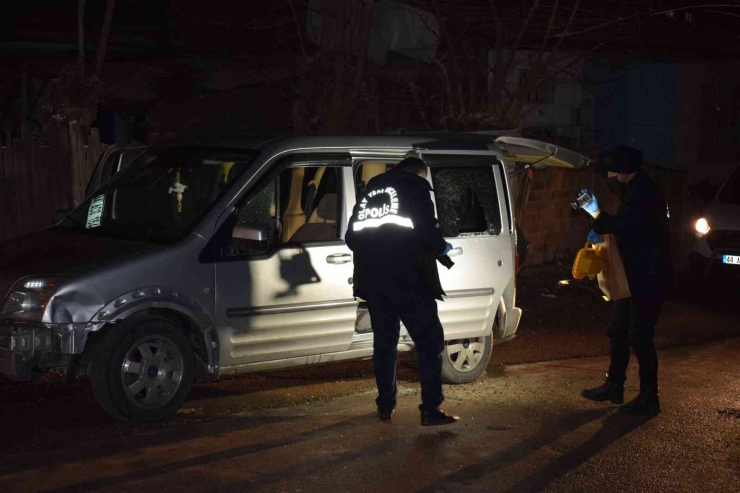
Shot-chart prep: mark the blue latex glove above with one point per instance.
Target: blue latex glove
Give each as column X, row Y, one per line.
column 593, row 238
column 448, row 247
column 593, row 206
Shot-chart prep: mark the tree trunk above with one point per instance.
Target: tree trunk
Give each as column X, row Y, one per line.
column 347, row 47
column 81, row 38
column 104, row 38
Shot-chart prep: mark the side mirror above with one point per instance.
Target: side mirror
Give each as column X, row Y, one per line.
column 254, row 240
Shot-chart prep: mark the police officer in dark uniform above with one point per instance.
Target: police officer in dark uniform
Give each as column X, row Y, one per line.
column 640, row 228
column 395, row 238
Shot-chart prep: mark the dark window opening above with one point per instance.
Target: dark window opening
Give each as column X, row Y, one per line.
column 467, row 202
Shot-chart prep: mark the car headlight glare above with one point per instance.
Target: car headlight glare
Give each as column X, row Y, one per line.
column 28, row 299
column 702, row 227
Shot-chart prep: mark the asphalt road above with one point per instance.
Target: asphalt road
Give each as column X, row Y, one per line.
column 524, row 430
column 524, row 426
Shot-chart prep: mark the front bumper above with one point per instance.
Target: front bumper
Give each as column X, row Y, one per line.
column 703, row 268
column 24, row 347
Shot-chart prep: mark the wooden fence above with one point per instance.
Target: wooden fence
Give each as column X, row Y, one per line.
column 38, row 179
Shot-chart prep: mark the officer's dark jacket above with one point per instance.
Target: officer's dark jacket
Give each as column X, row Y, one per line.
column 395, row 238
column 641, row 230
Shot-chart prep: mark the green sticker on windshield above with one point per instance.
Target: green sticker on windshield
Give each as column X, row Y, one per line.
column 95, row 212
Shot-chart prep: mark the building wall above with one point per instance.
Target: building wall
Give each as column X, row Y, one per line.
column 708, row 144
column 636, row 105
column 565, row 115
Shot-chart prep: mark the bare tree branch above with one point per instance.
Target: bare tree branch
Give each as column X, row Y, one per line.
column 414, row 90
column 597, row 27
column 497, row 24
column 298, row 29
column 446, row 83
column 362, row 49
column 453, row 56
column 500, row 78
column 575, row 59
column 540, row 67
column 550, row 25
column 567, row 28
column 269, row 81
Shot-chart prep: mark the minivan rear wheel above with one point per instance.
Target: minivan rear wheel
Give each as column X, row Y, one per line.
column 143, row 369
column 464, row 360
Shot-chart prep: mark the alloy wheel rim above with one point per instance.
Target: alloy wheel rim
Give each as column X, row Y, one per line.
column 465, row 354
column 151, row 372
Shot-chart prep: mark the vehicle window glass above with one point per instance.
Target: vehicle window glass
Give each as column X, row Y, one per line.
column 310, row 198
column 731, row 192
column 161, row 195
column 259, row 214
column 369, row 170
column 467, row 202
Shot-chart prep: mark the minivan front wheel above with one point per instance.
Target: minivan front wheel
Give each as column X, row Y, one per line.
column 143, row 369
column 464, row 360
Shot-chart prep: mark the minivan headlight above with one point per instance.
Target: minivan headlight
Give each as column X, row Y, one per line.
column 28, row 299
column 702, row 227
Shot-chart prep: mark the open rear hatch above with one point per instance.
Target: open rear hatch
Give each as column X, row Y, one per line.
column 539, row 154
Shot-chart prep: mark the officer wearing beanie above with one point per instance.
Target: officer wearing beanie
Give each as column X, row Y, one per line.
column 640, row 228
column 395, row 238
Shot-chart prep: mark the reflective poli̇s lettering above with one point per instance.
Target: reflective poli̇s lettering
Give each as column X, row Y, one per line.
column 381, row 221
column 375, row 217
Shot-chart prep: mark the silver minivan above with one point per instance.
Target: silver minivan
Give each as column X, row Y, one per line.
column 190, row 263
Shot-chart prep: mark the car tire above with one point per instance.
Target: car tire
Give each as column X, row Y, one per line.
column 143, row 369
column 464, row 360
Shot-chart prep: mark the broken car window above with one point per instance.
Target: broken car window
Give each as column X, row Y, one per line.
column 259, row 214
column 467, row 202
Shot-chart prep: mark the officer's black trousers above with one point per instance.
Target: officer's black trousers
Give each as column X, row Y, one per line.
column 632, row 324
column 419, row 316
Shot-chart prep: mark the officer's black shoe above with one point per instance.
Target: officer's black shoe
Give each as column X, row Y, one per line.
column 385, row 416
column 646, row 403
column 437, row 417
column 612, row 390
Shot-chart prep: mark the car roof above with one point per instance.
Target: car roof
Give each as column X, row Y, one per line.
column 452, row 141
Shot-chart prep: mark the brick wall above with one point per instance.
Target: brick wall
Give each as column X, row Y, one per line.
column 555, row 230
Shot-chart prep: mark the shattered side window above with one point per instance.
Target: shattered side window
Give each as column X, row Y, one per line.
column 467, row 202
column 259, row 213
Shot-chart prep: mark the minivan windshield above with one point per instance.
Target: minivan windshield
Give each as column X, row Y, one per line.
column 161, row 195
column 731, row 192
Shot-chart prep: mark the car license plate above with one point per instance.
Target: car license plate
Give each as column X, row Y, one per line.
column 731, row 259
column 95, row 212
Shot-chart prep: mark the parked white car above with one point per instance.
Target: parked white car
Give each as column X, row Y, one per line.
column 716, row 249
column 198, row 262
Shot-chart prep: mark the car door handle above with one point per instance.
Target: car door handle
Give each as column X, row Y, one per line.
column 455, row 252
column 339, row 258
